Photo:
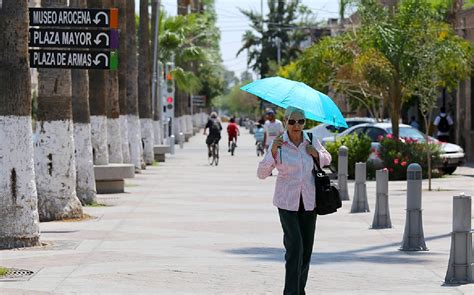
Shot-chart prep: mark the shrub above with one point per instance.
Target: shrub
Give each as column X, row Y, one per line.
column 398, row 154
column 359, row 150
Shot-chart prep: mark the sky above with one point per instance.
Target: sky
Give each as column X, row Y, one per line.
column 233, row 24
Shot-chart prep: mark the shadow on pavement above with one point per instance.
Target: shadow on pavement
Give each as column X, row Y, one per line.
column 357, row 255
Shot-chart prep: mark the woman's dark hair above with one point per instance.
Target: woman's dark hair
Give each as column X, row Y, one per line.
column 232, row 120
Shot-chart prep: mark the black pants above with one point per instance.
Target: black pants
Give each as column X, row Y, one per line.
column 298, row 237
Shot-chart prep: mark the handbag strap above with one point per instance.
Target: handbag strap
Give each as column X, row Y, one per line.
column 310, row 135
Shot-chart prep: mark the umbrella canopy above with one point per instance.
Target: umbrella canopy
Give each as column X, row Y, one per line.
column 284, row 93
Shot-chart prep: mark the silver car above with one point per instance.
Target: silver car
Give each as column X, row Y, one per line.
column 452, row 155
column 324, row 130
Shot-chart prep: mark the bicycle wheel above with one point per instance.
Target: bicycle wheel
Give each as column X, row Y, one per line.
column 232, row 149
column 216, row 154
column 211, row 158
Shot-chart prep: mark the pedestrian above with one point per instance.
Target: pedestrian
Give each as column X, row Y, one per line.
column 273, row 128
column 443, row 123
column 292, row 155
column 414, row 123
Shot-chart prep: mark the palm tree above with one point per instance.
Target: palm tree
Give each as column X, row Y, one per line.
column 123, row 74
column 85, row 178
column 18, row 198
column 98, row 107
column 114, row 136
column 132, row 88
column 55, row 164
column 144, row 84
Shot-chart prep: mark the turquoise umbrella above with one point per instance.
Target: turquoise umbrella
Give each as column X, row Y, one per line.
column 284, row 93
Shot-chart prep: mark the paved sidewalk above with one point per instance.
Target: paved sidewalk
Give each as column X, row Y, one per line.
column 186, row 228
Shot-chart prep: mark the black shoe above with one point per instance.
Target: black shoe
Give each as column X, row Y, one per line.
column 209, row 154
column 228, row 150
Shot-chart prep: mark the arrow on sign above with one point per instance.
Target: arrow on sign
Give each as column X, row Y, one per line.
column 97, row 20
column 97, row 39
column 97, row 61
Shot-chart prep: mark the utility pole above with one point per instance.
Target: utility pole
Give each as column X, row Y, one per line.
column 156, row 81
column 278, row 45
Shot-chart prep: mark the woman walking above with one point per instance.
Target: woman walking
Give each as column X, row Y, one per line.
column 293, row 155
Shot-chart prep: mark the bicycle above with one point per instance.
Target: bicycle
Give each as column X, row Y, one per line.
column 260, row 149
column 233, row 145
column 214, row 158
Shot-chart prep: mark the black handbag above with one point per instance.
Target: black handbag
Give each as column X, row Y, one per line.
column 327, row 194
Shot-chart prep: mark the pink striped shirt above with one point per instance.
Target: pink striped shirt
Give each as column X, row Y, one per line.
column 295, row 178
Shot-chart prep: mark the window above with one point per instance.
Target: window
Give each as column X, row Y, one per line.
column 374, row 133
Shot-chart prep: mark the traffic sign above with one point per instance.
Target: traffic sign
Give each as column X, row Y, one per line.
column 199, row 100
column 100, row 60
column 67, row 17
column 73, row 38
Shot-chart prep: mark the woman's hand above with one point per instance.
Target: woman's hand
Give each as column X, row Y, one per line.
column 312, row 151
column 278, row 142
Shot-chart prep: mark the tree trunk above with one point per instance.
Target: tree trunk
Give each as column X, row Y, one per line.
column 55, row 164
column 18, row 199
column 114, row 133
column 132, row 88
column 157, row 126
column 98, row 107
column 396, row 98
column 144, row 85
column 85, row 178
column 123, row 76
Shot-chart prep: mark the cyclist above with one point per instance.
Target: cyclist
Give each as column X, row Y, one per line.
column 260, row 135
column 232, row 131
column 215, row 128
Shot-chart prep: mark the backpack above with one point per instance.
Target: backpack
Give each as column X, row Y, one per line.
column 215, row 127
column 443, row 124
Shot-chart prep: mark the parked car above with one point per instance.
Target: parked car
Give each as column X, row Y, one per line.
column 324, row 130
column 452, row 155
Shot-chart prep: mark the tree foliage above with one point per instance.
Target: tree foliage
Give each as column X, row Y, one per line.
column 285, row 22
column 389, row 58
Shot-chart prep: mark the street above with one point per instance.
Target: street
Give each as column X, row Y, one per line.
column 185, row 227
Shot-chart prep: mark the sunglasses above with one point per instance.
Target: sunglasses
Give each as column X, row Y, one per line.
column 293, row 122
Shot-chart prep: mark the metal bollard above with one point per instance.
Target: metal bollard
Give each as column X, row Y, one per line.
column 181, row 140
column 382, row 212
column 360, row 204
column 171, row 141
column 413, row 237
column 342, row 172
column 461, row 259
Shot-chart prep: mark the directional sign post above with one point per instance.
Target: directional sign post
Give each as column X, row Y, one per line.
column 73, row 38
column 65, row 17
column 73, row 59
column 94, row 37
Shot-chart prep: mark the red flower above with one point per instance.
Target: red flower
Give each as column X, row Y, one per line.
column 380, row 138
column 389, row 136
column 391, row 169
column 404, row 163
column 395, row 161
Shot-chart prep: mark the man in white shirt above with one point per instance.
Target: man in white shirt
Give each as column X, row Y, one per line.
column 273, row 128
column 443, row 123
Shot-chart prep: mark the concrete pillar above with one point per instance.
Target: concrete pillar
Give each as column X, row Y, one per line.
column 181, row 139
column 360, row 204
column 461, row 260
column 171, row 142
column 342, row 172
column 382, row 211
column 413, row 238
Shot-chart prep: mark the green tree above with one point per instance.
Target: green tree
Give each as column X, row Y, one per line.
column 385, row 59
column 282, row 28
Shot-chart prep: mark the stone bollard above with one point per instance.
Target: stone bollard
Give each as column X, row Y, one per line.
column 461, row 259
column 181, row 139
column 382, row 212
column 359, row 203
column 342, row 172
column 171, row 141
column 413, row 237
